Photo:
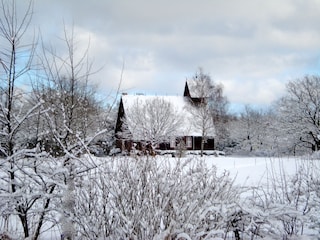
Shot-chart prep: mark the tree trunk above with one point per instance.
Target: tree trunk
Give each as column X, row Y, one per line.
column 202, row 146
column 24, row 220
column 41, row 218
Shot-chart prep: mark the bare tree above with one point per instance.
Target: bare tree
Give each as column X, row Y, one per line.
column 299, row 112
column 255, row 131
column 151, row 120
column 62, row 114
column 219, row 110
column 18, row 190
column 66, row 91
column 209, row 111
column 14, row 65
column 70, row 119
column 252, row 127
column 202, row 120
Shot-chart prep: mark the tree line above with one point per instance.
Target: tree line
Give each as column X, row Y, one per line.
column 290, row 126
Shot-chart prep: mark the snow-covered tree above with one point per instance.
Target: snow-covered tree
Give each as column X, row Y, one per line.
column 26, row 174
column 255, row 132
column 209, row 112
column 299, row 113
column 21, row 186
column 70, row 119
column 250, row 129
column 202, row 119
column 151, row 120
column 14, row 66
column 219, row 110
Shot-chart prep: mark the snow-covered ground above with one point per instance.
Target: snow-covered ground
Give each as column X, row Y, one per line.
column 250, row 171
column 254, row 170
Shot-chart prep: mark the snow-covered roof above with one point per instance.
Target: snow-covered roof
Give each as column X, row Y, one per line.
column 178, row 102
column 181, row 106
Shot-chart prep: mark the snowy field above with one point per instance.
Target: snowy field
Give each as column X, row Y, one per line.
column 251, row 171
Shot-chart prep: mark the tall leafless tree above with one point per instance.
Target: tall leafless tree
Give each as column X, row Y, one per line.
column 210, row 111
column 70, row 119
column 16, row 60
column 299, row 112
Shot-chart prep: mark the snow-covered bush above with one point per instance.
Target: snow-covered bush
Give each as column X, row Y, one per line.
column 145, row 198
column 32, row 208
column 287, row 205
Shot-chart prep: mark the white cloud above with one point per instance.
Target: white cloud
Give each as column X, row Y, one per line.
column 254, row 47
column 254, row 92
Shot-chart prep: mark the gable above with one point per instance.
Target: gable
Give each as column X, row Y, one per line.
column 186, row 90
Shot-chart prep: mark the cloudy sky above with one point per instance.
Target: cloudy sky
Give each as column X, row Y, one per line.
column 252, row 47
